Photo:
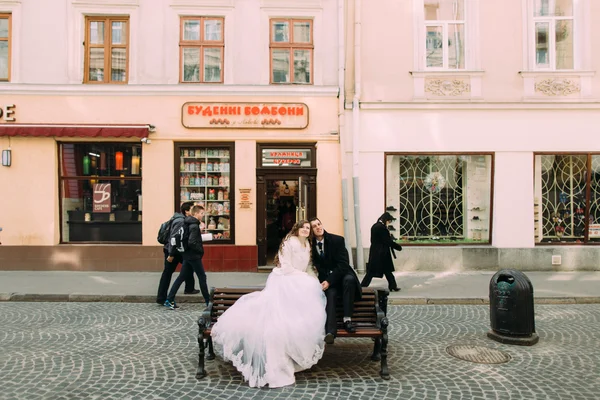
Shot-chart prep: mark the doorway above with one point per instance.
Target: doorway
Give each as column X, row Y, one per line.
column 284, row 198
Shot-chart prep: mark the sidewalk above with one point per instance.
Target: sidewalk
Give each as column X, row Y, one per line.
column 417, row 287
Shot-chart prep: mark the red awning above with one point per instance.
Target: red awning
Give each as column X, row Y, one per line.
column 71, row 130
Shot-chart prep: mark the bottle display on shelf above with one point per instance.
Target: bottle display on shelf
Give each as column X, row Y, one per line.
column 204, row 178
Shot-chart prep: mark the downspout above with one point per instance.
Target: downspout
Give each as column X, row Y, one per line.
column 342, row 119
column 360, row 260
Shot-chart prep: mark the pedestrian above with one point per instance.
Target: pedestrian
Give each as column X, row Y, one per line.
column 337, row 277
column 193, row 251
column 173, row 257
column 381, row 252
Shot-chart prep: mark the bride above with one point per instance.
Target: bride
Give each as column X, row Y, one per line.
column 271, row 334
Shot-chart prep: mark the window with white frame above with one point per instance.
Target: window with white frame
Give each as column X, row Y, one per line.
column 553, row 26
column 444, row 34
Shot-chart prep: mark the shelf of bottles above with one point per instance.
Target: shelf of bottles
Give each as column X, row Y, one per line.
column 204, row 178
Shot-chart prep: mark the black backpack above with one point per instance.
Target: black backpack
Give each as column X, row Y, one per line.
column 164, row 232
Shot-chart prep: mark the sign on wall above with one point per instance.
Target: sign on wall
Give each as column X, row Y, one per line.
column 245, row 198
column 102, row 198
column 245, row 115
column 280, row 157
column 7, row 112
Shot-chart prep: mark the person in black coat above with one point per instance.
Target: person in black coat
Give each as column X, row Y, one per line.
column 381, row 252
column 192, row 257
column 330, row 258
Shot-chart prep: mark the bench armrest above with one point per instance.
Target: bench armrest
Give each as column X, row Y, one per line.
column 206, row 317
column 381, row 299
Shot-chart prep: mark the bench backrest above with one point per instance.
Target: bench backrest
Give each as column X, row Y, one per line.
column 365, row 311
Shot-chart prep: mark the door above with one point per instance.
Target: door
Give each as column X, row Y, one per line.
column 282, row 199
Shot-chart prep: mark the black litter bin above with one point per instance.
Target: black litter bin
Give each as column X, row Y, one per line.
column 511, row 308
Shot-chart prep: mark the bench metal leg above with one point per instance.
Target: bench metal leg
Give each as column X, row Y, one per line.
column 385, row 373
column 211, row 352
column 200, row 371
column 376, row 350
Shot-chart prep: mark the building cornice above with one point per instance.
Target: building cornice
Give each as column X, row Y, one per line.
column 474, row 105
column 167, row 90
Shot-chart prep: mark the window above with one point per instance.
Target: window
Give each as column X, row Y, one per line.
column 201, row 47
column 439, row 199
column 291, row 47
column 553, row 26
column 101, row 192
column 567, row 198
column 5, row 47
column 205, row 177
column 444, row 34
column 106, row 49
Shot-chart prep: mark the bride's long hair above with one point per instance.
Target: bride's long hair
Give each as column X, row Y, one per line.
column 293, row 232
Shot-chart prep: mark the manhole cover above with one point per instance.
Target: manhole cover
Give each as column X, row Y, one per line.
column 478, row 354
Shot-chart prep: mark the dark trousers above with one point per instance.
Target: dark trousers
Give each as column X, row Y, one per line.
column 388, row 275
column 333, row 293
column 165, row 278
column 187, row 270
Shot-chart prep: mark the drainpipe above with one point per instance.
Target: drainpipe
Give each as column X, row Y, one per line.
column 360, row 260
column 342, row 119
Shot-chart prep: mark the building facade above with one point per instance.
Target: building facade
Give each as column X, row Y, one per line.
column 477, row 129
column 115, row 113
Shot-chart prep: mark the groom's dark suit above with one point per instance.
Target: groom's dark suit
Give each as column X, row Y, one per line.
column 334, row 267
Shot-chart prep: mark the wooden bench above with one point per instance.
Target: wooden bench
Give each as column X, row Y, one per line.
column 369, row 319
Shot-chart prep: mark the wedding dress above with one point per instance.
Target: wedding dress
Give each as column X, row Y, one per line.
column 271, row 334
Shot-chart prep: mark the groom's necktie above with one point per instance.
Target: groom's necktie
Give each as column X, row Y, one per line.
column 320, row 246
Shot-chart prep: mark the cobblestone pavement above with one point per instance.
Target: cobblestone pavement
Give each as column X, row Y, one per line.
column 142, row 351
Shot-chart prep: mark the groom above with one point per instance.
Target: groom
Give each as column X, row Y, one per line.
column 337, row 277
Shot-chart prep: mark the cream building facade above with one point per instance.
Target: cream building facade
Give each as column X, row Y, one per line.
column 475, row 124
column 116, row 112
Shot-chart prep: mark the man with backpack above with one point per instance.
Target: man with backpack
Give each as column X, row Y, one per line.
column 192, row 257
column 170, row 235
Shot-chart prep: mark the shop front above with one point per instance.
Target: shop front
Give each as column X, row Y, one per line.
column 92, row 196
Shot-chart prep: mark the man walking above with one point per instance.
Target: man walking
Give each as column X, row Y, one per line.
column 173, row 256
column 192, row 257
column 337, row 277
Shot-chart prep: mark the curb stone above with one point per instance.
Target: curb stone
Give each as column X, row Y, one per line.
column 115, row 298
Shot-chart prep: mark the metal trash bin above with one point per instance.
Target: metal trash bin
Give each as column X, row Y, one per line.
column 511, row 309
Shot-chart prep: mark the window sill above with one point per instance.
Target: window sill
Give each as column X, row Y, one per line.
column 456, row 72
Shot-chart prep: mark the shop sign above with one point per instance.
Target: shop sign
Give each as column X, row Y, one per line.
column 245, row 198
column 245, row 115
column 594, row 230
column 286, row 158
column 102, row 197
column 7, row 112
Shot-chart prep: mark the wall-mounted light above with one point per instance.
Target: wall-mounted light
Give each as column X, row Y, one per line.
column 86, row 165
column 103, row 161
column 119, row 160
column 6, row 158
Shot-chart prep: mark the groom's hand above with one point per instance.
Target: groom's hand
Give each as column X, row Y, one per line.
column 325, row 285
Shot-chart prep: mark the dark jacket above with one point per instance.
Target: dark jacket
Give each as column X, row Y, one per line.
column 335, row 264
column 194, row 249
column 174, row 245
column 381, row 251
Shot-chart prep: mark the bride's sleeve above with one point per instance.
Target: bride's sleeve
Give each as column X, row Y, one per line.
column 286, row 257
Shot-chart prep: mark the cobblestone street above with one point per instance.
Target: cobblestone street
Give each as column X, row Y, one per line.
column 142, row 351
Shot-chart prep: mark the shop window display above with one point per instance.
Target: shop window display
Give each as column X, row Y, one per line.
column 100, row 189
column 439, row 199
column 204, row 177
column 567, row 198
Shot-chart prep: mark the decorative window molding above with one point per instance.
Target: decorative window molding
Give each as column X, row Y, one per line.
column 447, row 77
column 76, row 29
column 557, row 85
column 13, row 9
column 203, row 8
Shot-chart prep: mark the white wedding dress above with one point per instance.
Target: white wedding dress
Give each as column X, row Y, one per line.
column 271, row 334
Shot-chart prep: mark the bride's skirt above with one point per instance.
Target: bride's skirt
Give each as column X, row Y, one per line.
column 271, row 334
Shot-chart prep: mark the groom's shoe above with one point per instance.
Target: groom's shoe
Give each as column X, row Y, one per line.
column 349, row 327
column 329, row 338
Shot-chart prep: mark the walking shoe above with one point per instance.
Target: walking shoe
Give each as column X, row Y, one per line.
column 349, row 327
column 329, row 338
column 170, row 305
column 391, row 208
column 195, row 291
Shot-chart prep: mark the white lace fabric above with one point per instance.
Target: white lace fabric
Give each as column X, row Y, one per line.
column 271, row 334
